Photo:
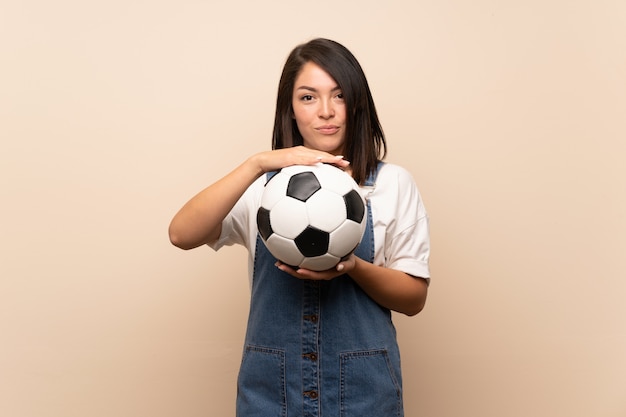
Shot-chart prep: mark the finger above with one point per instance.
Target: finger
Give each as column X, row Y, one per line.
column 300, row 273
column 284, row 268
column 333, row 159
column 317, row 275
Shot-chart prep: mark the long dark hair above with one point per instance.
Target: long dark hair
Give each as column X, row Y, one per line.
column 365, row 141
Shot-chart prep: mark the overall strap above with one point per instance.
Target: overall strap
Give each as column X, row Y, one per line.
column 370, row 183
column 366, row 248
column 371, row 179
column 270, row 174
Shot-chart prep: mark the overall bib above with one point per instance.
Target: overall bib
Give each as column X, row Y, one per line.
column 318, row 348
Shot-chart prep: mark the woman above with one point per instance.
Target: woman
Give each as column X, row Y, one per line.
column 321, row 343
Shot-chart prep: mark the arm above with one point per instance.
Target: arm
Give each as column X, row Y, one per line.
column 199, row 221
column 393, row 289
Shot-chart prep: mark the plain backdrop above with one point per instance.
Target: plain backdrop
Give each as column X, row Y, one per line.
column 509, row 114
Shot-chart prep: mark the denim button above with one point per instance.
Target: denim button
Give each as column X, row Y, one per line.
column 311, row 394
column 312, row 318
column 311, row 356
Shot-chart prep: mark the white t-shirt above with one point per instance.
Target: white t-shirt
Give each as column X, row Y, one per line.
column 401, row 231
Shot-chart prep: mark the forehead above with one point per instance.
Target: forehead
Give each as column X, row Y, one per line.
column 312, row 75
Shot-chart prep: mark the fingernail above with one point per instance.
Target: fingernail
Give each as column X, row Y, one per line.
column 340, row 267
column 339, row 156
column 319, row 158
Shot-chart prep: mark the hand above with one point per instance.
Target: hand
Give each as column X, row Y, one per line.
column 341, row 268
column 297, row 155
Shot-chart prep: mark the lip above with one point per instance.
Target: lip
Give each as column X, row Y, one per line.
column 327, row 129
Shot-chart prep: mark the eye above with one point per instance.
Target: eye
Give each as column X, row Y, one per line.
column 306, row 97
column 339, row 96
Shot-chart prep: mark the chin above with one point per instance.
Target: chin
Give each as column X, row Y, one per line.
column 332, row 148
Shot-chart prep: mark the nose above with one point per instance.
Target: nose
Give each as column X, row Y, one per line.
column 327, row 109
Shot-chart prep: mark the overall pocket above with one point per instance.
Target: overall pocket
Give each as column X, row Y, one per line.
column 261, row 383
column 369, row 385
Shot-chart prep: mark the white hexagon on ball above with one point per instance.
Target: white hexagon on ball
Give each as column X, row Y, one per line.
column 289, row 217
column 286, row 247
column 334, row 179
column 326, row 210
column 339, row 246
column 320, row 263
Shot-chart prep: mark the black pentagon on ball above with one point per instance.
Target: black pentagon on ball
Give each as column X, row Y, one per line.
column 303, row 185
column 312, row 242
column 354, row 206
column 263, row 222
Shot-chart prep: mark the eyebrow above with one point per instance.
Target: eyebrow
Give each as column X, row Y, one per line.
column 305, row 87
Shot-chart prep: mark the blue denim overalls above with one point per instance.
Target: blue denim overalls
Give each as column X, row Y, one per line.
column 318, row 348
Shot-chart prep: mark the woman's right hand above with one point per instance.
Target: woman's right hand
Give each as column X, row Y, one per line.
column 297, row 155
column 199, row 221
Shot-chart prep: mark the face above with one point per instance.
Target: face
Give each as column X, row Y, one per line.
column 319, row 109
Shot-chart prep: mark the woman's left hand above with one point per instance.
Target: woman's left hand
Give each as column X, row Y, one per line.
column 391, row 288
column 343, row 267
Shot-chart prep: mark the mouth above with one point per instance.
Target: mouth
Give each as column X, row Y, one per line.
column 327, row 129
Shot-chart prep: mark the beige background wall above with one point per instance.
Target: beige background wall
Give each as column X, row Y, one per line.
column 510, row 115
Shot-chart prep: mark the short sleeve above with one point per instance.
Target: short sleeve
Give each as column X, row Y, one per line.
column 410, row 250
column 403, row 222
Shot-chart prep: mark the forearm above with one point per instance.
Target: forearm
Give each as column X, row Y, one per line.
column 391, row 288
column 199, row 220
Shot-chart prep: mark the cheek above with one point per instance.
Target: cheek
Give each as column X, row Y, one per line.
column 301, row 116
column 341, row 112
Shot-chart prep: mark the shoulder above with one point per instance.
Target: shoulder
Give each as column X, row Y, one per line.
column 255, row 190
column 392, row 177
column 397, row 191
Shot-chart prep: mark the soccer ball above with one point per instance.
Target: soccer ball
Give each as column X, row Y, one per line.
column 311, row 216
